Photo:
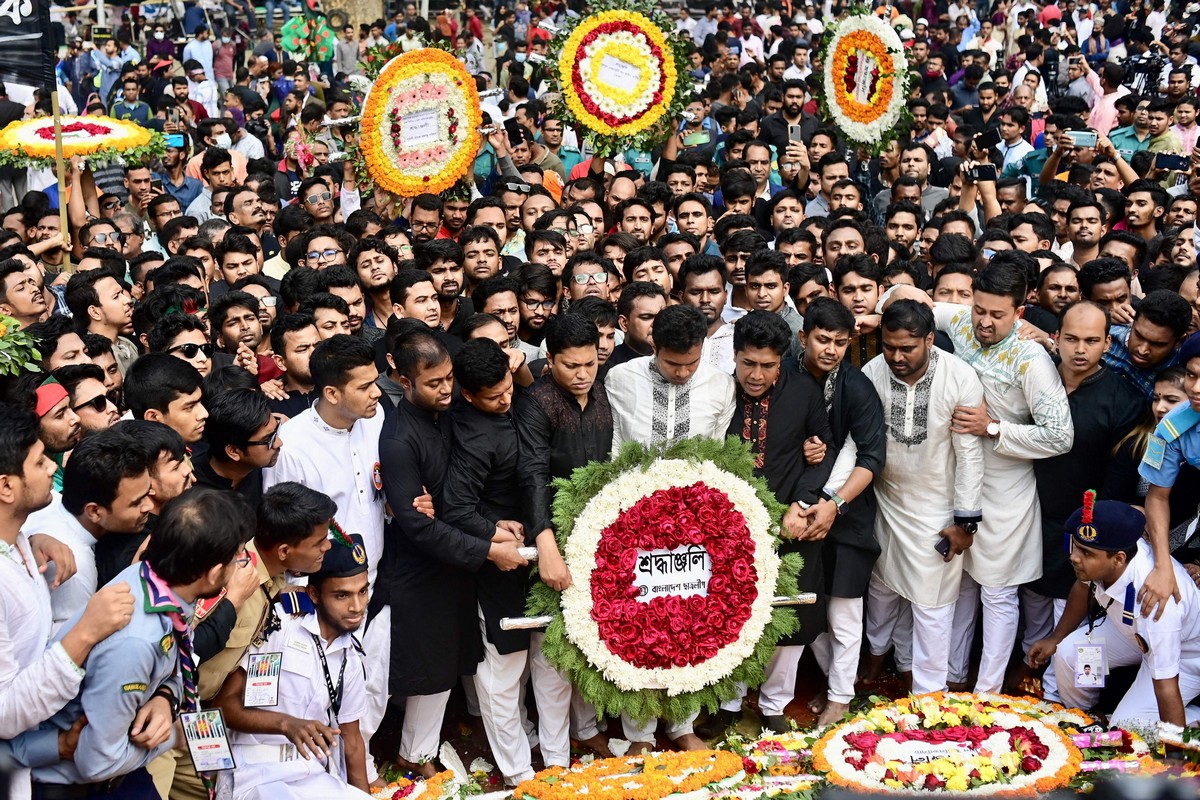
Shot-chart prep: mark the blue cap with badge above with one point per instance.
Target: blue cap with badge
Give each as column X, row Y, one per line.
column 346, row 557
column 1108, row 525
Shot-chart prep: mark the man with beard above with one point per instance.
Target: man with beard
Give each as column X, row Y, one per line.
column 916, row 160
column 1104, row 409
column 481, row 254
column 775, row 126
column 702, row 281
column 100, row 303
column 176, row 181
column 776, row 408
column 374, row 260
column 89, row 399
column 538, row 297
column 323, row 727
column 425, row 598
column 426, row 218
column 1138, row 352
column 107, row 490
column 341, row 281
column 454, row 214
column 1086, row 226
column 243, row 207
column 59, row 425
column 293, row 338
column 443, row 260
column 243, row 440
column 1058, row 287
column 1025, row 416
column 929, row 492
column 20, row 297
column 237, row 331
column 189, row 558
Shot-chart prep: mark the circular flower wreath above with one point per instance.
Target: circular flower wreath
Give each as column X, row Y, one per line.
column 648, row 777
column 952, row 743
column 865, row 79
column 420, row 123
column 673, row 654
column 620, row 72
column 100, row 139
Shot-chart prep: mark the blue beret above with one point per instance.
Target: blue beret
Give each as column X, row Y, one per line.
column 1114, row 526
column 1189, row 349
column 342, row 560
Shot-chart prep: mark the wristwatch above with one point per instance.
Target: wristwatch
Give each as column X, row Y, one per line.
column 993, row 429
column 969, row 527
column 839, row 502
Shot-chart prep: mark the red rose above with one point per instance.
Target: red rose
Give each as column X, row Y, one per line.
column 1030, row 764
column 750, row 766
column 934, row 782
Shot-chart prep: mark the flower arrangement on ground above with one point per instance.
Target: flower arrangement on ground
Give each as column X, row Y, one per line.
column 30, row 142
column 623, row 73
column 865, row 78
column 441, row 786
column 951, row 743
column 649, row 777
column 672, row 552
column 420, row 123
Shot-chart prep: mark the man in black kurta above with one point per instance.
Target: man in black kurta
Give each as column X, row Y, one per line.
column 482, row 485
column 426, row 580
column 844, row 518
column 778, row 410
column 563, row 422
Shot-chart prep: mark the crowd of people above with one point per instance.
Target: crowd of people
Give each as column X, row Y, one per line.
column 290, row 442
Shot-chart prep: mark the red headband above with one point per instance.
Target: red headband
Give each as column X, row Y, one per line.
column 49, row 394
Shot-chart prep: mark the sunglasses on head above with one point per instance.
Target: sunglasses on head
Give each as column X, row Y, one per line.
column 98, row 404
column 190, row 350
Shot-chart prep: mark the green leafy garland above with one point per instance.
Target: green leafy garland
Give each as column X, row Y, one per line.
column 903, row 85
column 572, row 497
column 678, row 46
column 18, row 350
column 153, row 150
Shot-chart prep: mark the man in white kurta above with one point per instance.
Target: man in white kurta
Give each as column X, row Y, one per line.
column 1030, row 420
column 932, row 479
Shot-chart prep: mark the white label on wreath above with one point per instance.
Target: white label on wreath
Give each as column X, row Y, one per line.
column 619, row 74
column 420, row 128
column 863, row 81
column 924, row 752
column 684, row 572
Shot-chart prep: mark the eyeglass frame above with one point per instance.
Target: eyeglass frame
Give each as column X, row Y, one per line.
column 206, row 348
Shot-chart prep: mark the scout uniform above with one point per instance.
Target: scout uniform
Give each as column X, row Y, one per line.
column 1165, row 648
column 124, row 671
column 317, row 681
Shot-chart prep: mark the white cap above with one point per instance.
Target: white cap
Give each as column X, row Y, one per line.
column 923, row 21
column 906, row 35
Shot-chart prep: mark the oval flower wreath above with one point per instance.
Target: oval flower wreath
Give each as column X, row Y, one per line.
column 865, row 78
column 100, row 139
column 619, row 71
column 420, row 123
column 670, row 648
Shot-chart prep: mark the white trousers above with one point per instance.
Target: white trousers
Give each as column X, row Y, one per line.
column 779, row 686
column 583, row 716
column 377, row 653
column 423, row 716
column 930, row 634
column 1139, row 705
column 643, row 732
column 838, row 649
column 1040, row 618
column 499, row 681
column 1001, row 614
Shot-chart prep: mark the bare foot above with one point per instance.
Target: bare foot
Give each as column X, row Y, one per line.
column 425, row 770
column 906, row 679
column 818, row 703
column 690, row 741
column 639, row 748
column 598, row 744
column 872, row 667
column 832, row 713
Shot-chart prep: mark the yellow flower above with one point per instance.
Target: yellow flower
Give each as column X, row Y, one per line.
column 987, row 773
column 958, row 783
column 894, row 784
column 951, row 719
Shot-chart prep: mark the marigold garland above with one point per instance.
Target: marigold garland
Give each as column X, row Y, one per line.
column 418, row 82
column 99, row 139
column 847, row 43
column 649, row 777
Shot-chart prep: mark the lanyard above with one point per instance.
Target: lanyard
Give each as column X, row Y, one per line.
column 335, row 696
column 1103, row 612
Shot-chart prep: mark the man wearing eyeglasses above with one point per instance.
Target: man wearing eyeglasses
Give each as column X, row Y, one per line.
column 425, row 219
column 88, row 397
column 586, row 276
column 323, row 248
column 243, row 439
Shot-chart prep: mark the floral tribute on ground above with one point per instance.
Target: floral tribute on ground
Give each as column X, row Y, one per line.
column 100, row 140
column 420, row 123
column 673, row 555
column 865, row 79
column 623, row 73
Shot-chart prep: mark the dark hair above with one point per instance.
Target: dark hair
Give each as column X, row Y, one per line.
column 1099, row 271
column 333, row 359
column 406, row 279
column 417, row 349
column 71, row 375
column 950, row 248
column 858, row 263
column 19, row 428
column 571, row 330
column 497, row 284
column 909, row 315
column 156, row 380
column 1042, row 225
column 233, row 419
column 104, row 460
column 700, row 264
column 598, row 311
column 298, row 284
column 285, row 324
column 288, row 512
column 480, row 364
column 1132, row 240
column 762, row 329
column 224, row 304
column 632, row 291
column 201, row 529
column 679, row 328
column 159, row 338
column 81, row 293
column 153, row 439
column 1166, row 309
column 1006, row 277
column 828, row 315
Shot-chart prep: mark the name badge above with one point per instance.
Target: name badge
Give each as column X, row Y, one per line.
column 262, row 680
column 1090, row 667
column 207, row 740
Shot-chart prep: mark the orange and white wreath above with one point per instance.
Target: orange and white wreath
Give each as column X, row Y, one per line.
column 865, row 79
column 649, row 777
column 420, row 123
column 98, row 139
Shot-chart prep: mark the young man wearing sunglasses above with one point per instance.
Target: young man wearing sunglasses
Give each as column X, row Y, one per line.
column 243, row 437
column 184, row 337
